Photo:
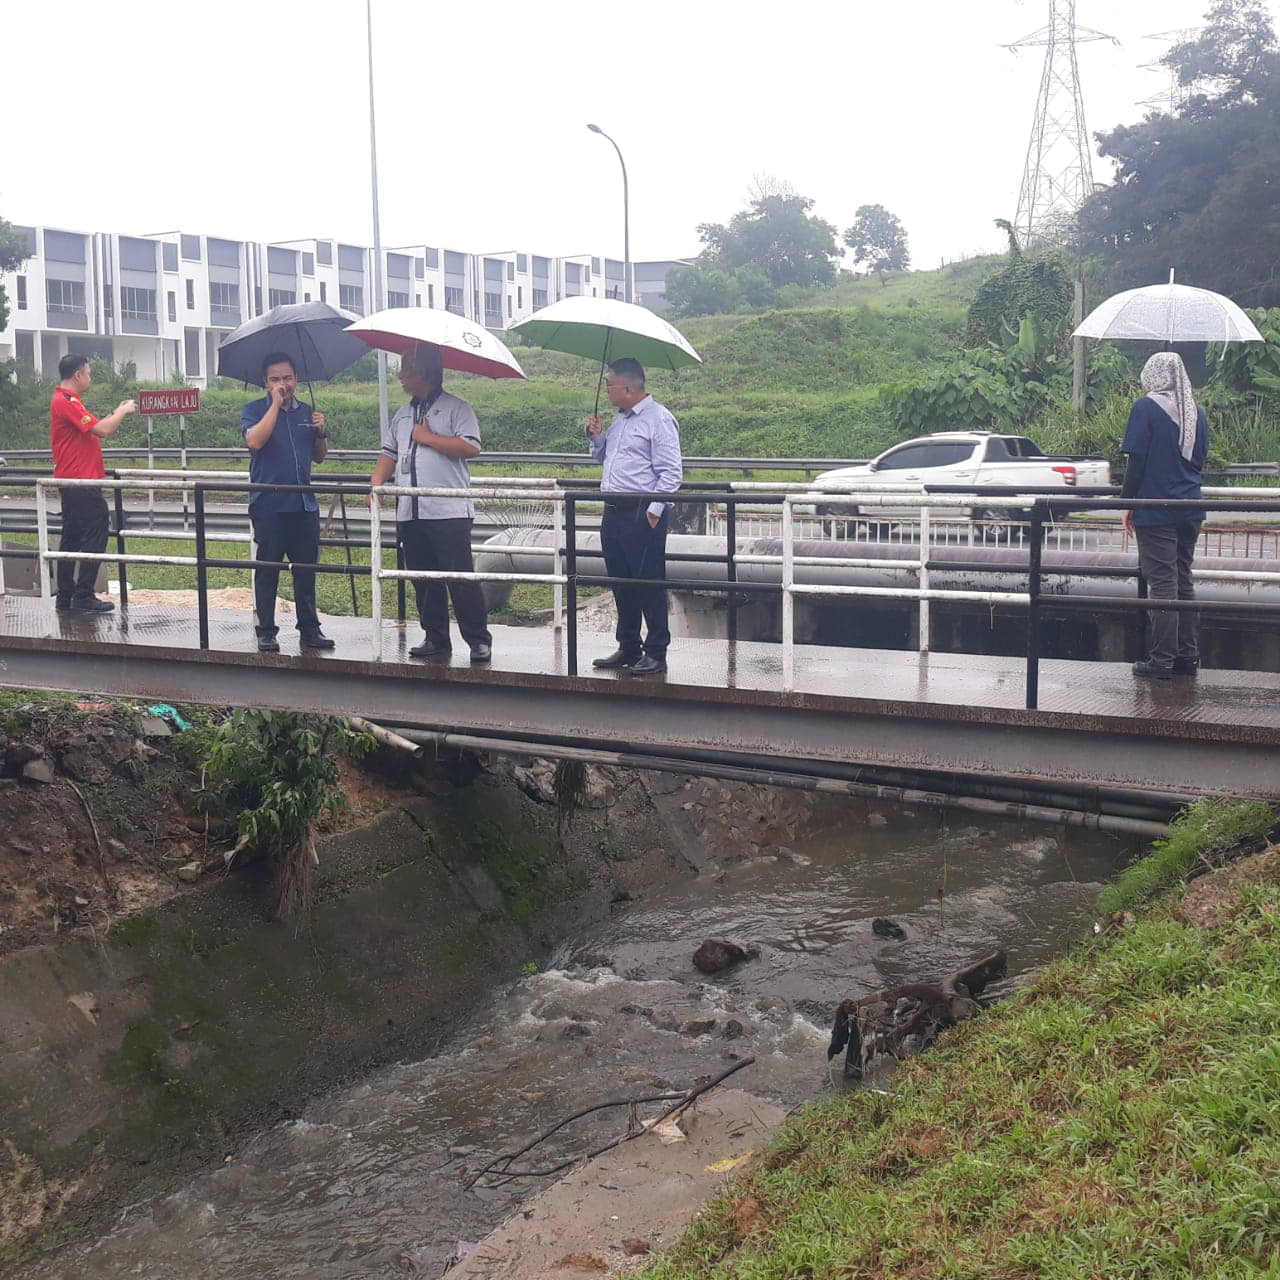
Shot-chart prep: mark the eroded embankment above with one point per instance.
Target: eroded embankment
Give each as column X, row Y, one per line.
column 134, row 1052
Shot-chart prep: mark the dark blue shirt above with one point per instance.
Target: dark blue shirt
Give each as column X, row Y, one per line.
column 1157, row 468
column 284, row 459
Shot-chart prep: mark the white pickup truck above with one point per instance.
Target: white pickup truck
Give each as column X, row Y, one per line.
column 962, row 458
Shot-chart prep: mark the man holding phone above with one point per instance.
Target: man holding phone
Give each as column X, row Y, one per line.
column 285, row 436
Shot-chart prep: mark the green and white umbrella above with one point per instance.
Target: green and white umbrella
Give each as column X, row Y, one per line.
column 605, row 329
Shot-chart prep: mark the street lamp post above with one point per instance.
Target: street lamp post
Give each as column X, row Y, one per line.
column 626, row 215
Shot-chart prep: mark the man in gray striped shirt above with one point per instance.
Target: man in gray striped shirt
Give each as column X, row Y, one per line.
column 427, row 444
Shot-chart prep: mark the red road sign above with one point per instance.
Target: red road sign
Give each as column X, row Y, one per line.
column 152, row 404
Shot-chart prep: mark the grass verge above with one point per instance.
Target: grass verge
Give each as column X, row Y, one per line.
column 1120, row 1118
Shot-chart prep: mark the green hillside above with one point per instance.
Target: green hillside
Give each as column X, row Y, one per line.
column 803, row 381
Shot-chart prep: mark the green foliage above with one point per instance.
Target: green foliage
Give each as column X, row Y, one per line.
column 278, row 769
column 1251, row 366
column 13, row 253
column 1039, row 286
column 878, row 240
column 773, row 245
column 1196, row 190
column 1200, row 832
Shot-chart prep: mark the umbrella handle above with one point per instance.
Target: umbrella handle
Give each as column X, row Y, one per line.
column 604, row 360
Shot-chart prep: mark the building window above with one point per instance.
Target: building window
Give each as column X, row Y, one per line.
column 281, row 297
column 508, row 306
column 433, row 257
column 191, row 338
column 351, row 297
column 595, row 265
column 324, row 253
column 169, row 256
column 522, row 262
column 511, row 270
column 396, row 299
column 493, row 310
column 520, row 296
column 417, row 299
column 324, row 292
column 453, row 300
column 191, row 248
column 172, row 299
column 308, row 264
column 257, row 299
column 418, row 268
column 137, row 304
column 431, row 295
column 68, row 295
column 306, row 297
column 22, row 293
column 191, row 295
column 223, row 297
column 475, row 302
column 539, row 299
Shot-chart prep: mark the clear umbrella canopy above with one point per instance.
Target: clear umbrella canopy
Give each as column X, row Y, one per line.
column 1169, row 313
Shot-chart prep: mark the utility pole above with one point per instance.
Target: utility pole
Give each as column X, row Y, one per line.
column 378, row 295
column 1058, row 174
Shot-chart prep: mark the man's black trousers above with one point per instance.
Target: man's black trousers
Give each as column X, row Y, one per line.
column 84, row 528
column 443, row 545
column 633, row 549
column 292, row 536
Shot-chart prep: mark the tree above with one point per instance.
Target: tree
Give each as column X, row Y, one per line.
column 1038, row 286
column 777, row 234
column 1197, row 190
column 13, row 253
column 1231, row 59
column 879, row 240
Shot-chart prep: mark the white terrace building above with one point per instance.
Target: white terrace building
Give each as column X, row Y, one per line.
column 166, row 301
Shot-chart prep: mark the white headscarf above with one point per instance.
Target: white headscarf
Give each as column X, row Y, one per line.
column 1164, row 379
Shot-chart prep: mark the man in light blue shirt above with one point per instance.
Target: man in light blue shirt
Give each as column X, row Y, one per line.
column 641, row 454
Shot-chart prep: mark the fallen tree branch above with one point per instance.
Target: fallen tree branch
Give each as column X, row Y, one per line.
column 107, row 882
column 683, row 1100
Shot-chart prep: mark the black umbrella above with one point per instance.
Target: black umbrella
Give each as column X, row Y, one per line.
column 311, row 334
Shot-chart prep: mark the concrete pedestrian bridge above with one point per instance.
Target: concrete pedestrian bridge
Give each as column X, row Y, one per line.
column 1021, row 731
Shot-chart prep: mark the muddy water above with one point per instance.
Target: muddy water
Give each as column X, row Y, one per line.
column 371, row 1181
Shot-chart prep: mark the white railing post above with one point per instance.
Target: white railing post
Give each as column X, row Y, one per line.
column 42, row 539
column 557, row 563
column 923, row 581
column 375, row 574
column 788, row 599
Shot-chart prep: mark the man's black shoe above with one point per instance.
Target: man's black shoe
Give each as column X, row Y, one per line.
column 1186, row 666
column 268, row 644
column 481, row 653
column 91, row 604
column 646, row 666
column 315, row 640
column 429, row 649
column 62, row 603
column 1152, row 670
column 616, row 659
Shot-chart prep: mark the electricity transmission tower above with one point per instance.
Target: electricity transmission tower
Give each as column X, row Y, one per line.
column 1177, row 94
column 1058, row 174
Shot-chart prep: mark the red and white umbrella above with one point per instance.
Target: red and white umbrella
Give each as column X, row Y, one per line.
column 464, row 345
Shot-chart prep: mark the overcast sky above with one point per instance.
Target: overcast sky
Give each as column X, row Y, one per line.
column 249, row 118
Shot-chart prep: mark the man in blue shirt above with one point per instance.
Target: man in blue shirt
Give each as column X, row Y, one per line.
column 284, row 436
column 1166, row 439
column 641, row 454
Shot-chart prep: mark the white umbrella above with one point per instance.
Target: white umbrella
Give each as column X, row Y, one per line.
column 464, row 345
column 1169, row 313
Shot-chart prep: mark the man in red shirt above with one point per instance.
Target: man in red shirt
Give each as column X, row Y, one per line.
column 74, row 434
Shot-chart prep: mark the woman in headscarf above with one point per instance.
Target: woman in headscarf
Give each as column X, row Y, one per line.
column 1166, row 440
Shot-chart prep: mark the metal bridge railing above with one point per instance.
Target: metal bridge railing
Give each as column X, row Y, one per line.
column 565, row 499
